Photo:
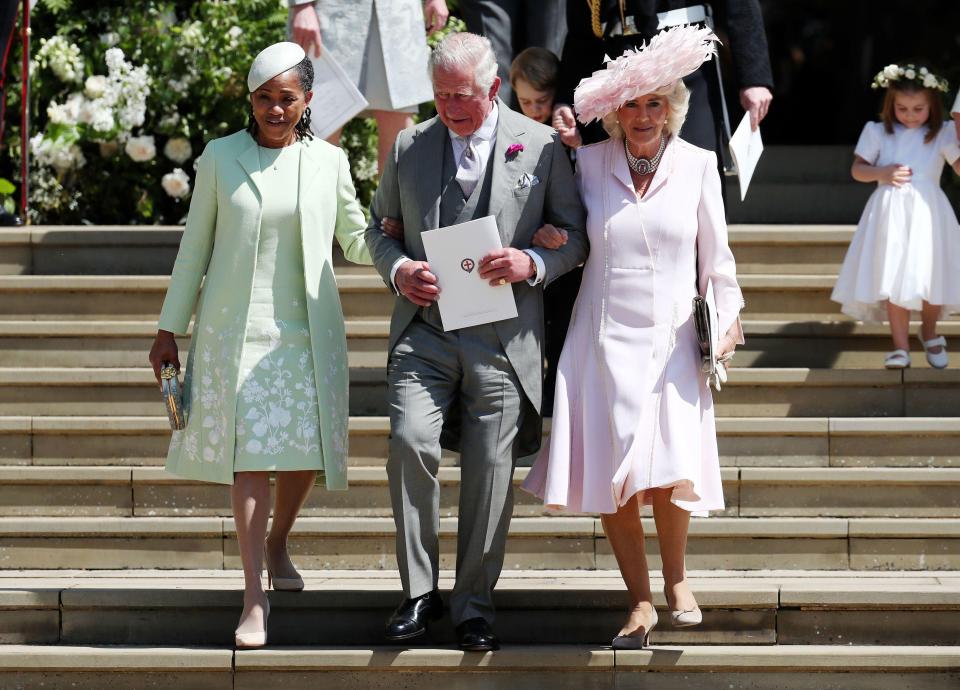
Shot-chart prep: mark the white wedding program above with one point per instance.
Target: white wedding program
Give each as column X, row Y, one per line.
column 746, row 146
column 454, row 254
column 336, row 99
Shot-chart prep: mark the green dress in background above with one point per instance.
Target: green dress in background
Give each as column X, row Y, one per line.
column 277, row 414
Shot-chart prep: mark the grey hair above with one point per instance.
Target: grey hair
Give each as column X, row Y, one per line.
column 465, row 50
column 678, row 102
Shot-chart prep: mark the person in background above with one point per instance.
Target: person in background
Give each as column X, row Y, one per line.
column 533, row 76
column 599, row 28
column 905, row 253
column 382, row 46
column 514, row 25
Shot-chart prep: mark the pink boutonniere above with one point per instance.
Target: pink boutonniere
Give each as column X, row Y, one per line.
column 513, row 151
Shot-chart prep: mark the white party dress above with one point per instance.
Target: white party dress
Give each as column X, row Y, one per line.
column 906, row 248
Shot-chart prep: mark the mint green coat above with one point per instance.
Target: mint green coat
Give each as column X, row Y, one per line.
column 219, row 249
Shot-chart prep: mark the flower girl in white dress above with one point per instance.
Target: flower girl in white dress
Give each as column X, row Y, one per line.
column 905, row 254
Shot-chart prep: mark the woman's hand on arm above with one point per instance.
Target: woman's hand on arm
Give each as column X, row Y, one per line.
column 306, row 28
column 392, row 228
column 164, row 351
column 550, row 237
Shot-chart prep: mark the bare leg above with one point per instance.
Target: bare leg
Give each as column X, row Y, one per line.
column 899, row 326
column 389, row 125
column 673, row 523
column 625, row 533
column 251, row 509
column 928, row 331
column 292, row 491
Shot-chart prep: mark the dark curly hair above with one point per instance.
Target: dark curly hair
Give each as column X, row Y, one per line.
column 302, row 128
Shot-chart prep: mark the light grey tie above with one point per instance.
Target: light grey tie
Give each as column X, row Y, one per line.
column 468, row 170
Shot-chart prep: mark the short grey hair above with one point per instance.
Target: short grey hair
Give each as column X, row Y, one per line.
column 465, row 50
column 678, row 103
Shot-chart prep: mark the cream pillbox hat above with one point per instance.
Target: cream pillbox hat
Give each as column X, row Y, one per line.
column 273, row 60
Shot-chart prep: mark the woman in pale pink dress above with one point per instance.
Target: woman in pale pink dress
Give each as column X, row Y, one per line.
column 633, row 421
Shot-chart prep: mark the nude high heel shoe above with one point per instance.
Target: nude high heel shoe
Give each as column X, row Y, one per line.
column 281, row 584
column 636, row 641
column 257, row 638
column 686, row 618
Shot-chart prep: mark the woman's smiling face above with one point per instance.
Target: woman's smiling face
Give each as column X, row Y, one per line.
column 278, row 106
column 642, row 120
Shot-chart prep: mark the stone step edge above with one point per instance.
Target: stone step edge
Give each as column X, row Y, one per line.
column 811, row 233
column 783, row 376
column 585, row 527
column 65, row 594
column 353, row 282
column 380, row 426
column 379, row 328
column 876, row 477
column 811, row 658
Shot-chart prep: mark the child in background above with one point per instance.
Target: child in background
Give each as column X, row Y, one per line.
column 533, row 76
column 905, row 254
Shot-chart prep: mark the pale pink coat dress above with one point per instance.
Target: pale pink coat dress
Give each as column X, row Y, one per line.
column 632, row 409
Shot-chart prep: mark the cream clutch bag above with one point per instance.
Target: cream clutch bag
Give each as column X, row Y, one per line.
column 172, row 396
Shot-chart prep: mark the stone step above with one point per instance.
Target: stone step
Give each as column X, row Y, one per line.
column 151, row 250
column 533, row 543
column 111, row 298
column 778, row 392
column 749, row 492
column 152, row 492
column 779, row 343
column 513, row 668
column 533, row 607
column 769, row 297
column 743, row 441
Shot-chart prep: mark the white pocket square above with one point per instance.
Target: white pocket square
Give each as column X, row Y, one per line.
column 527, row 180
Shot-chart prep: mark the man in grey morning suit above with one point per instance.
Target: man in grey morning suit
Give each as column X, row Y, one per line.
column 478, row 388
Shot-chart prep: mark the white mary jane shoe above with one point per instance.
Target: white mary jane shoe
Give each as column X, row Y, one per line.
column 937, row 360
column 898, row 359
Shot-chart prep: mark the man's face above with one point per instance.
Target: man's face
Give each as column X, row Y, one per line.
column 462, row 107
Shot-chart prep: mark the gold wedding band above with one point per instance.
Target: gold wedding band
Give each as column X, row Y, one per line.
column 503, row 281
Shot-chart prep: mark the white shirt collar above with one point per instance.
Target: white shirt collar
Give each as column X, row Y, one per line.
column 487, row 130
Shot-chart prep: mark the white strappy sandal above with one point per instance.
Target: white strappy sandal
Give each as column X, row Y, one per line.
column 937, row 360
column 898, row 359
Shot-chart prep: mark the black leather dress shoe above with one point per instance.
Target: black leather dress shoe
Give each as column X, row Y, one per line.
column 476, row 636
column 410, row 618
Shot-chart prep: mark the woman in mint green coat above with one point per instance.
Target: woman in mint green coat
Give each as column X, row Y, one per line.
column 266, row 383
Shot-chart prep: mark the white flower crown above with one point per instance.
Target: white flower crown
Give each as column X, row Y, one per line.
column 910, row 72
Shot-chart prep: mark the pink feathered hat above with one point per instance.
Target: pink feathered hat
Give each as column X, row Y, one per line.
column 670, row 55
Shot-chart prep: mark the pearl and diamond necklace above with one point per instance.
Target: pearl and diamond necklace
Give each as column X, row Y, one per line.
column 645, row 166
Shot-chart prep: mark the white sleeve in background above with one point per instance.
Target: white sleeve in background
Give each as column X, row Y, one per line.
column 955, row 110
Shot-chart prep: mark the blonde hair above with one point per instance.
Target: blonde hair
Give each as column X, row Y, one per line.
column 536, row 66
column 678, row 102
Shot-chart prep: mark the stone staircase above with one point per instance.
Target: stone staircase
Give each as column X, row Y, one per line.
column 835, row 565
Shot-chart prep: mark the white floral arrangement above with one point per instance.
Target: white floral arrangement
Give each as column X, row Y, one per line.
column 909, row 72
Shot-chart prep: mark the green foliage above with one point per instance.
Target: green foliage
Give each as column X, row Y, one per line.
column 195, row 54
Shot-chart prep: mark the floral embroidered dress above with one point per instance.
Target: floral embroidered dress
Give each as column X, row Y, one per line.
column 277, row 420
